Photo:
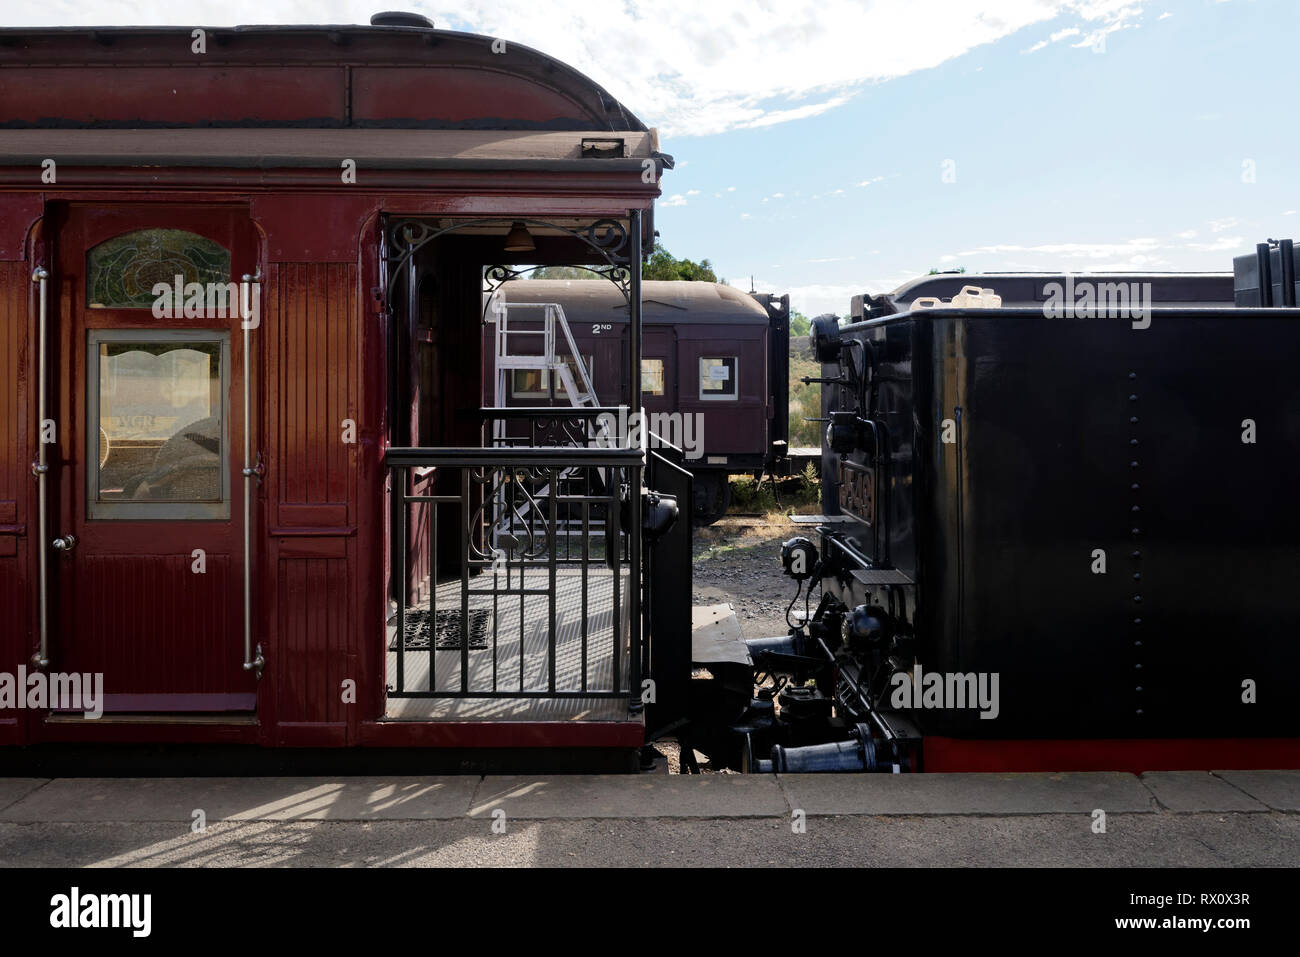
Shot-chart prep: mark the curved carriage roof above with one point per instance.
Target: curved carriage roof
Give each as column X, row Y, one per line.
column 346, row 76
column 596, row 300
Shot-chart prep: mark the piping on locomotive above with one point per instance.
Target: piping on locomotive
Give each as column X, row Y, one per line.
column 1048, row 542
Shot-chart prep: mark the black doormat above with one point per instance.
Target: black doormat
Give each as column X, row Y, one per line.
column 447, row 629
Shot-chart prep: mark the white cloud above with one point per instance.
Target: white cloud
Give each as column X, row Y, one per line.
column 1219, row 225
column 692, row 192
column 1056, row 37
column 1139, row 253
column 1132, row 247
column 1222, row 244
column 686, row 67
column 677, row 199
column 696, row 69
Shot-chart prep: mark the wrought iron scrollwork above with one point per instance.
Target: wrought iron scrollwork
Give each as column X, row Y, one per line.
column 618, row 274
column 515, row 512
column 495, row 276
column 610, row 235
column 607, row 238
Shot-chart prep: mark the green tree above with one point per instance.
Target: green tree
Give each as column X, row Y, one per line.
column 799, row 324
column 663, row 265
column 562, row 272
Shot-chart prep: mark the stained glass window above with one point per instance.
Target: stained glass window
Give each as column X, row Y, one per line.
column 122, row 271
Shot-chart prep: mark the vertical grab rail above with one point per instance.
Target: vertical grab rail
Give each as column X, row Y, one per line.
column 40, row 468
column 251, row 471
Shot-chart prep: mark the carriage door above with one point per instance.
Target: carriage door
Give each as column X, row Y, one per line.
column 658, row 369
column 147, row 567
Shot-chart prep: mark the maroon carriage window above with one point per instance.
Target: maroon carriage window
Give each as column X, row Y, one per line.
column 652, row 376
column 718, row 377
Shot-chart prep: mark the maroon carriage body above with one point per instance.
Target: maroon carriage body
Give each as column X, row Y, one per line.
column 284, row 160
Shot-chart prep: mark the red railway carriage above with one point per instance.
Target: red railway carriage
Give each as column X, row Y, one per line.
column 242, row 467
column 714, row 367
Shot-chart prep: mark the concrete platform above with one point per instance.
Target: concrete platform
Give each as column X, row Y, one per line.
column 969, row 820
column 73, row 800
column 646, row 796
column 1194, row 791
column 622, row 796
column 959, row 794
column 13, row 790
column 1280, row 790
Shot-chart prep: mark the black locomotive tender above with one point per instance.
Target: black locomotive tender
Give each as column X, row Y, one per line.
column 1084, row 521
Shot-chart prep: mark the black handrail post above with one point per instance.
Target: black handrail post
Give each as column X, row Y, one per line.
column 465, row 538
column 399, row 536
column 634, row 486
column 553, row 481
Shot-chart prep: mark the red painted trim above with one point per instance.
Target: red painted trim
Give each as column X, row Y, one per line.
column 291, row 734
column 104, row 732
column 177, row 703
column 502, row 734
column 1123, row 754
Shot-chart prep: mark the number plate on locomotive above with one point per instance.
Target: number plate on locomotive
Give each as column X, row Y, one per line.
column 858, row 491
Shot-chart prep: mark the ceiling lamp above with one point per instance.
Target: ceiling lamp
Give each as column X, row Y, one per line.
column 518, row 240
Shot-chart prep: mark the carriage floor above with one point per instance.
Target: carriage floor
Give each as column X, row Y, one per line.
column 499, row 628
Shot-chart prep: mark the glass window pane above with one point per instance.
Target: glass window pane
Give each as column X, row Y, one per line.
column 652, row 376
column 536, row 383
column 160, row 428
column 718, row 377
column 572, row 363
column 529, row 383
column 121, row 272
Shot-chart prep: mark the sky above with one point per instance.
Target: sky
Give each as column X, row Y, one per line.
column 832, row 147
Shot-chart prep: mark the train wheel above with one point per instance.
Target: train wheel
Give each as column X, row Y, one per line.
column 712, row 497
